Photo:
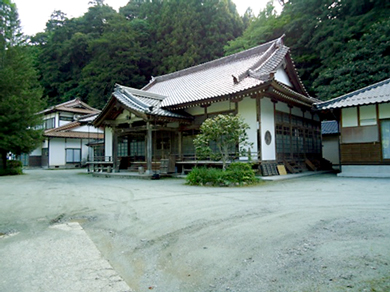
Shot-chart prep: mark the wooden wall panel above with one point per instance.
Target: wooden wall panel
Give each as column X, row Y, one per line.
column 365, row 153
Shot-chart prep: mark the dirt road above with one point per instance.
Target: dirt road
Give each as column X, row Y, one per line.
column 317, row 233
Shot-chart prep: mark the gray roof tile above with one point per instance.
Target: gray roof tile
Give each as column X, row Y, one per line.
column 143, row 102
column 329, row 127
column 231, row 74
column 375, row 93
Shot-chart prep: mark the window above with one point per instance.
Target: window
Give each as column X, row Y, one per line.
column 49, row 123
column 73, row 155
column 385, row 129
column 123, row 144
column 65, row 118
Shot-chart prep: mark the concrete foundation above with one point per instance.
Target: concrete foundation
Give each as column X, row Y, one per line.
column 365, row 171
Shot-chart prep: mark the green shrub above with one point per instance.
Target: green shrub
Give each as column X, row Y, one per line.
column 14, row 167
column 236, row 173
column 14, row 164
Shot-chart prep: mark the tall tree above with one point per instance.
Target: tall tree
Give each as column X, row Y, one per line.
column 20, row 94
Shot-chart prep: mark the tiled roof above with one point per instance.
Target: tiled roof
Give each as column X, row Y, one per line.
column 375, row 93
column 143, row 102
column 221, row 77
column 74, row 105
column 329, row 127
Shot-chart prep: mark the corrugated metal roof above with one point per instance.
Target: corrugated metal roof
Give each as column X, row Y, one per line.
column 228, row 75
column 375, row 93
column 329, row 127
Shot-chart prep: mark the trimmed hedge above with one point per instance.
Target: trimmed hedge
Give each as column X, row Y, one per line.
column 237, row 173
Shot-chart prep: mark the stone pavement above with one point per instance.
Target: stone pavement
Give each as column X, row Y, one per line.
column 60, row 259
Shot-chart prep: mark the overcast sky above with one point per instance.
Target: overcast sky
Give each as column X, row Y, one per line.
column 34, row 14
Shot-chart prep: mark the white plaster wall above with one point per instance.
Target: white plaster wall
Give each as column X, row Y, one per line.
column 384, row 111
column 247, row 110
column 84, row 150
column 282, row 76
column 57, row 152
column 87, row 129
column 219, row 107
column 349, row 117
column 72, row 143
column 367, row 115
column 268, row 152
column 308, row 115
column 63, row 123
column 173, row 125
column 330, row 149
column 195, row 110
column 282, row 107
column 296, row 111
column 36, row 152
column 108, row 141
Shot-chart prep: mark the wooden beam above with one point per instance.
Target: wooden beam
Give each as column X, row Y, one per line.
column 149, row 151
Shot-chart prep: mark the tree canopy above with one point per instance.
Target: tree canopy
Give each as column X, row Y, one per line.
column 84, row 57
column 220, row 136
column 20, row 93
column 336, row 45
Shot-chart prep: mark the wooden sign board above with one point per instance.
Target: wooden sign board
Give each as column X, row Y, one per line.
column 282, row 170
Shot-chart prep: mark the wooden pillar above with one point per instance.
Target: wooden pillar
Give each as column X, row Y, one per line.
column 180, row 135
column 149, row 151
column 115, row 149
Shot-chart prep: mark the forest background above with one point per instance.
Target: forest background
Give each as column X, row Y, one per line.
column 338, row 46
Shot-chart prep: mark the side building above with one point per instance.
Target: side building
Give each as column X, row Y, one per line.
column 68, row 129
column 364, row 118
column 261, row 84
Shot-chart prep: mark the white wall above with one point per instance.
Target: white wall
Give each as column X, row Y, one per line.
column 219, row 107
column 195, row 110
column 282, row 76
column 384, row 110
column 107, row 141
column 247, row 110
column 349, row 117
column 282, row 107
column 36, row 152
column 87, row 129
column 56, row 152
column 330, row 149
column 268, row 152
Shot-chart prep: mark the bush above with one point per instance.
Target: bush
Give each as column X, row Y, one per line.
column 14, row 167
column 236, row 173
column 14, row 164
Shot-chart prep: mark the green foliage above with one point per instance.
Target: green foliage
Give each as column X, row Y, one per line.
column 236, row 174
column 337, row 46
column 14, row 167
column 84, row 57
column 226, row 133
column 20, row 93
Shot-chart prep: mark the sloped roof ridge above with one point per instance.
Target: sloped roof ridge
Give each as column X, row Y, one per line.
column 142, row 93
column 214, row 63
column 356, row 92
column 259, row 63
column 128, row 98
column 65, row 127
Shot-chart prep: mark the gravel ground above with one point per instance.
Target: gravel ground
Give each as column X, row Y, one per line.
column 317, row 233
